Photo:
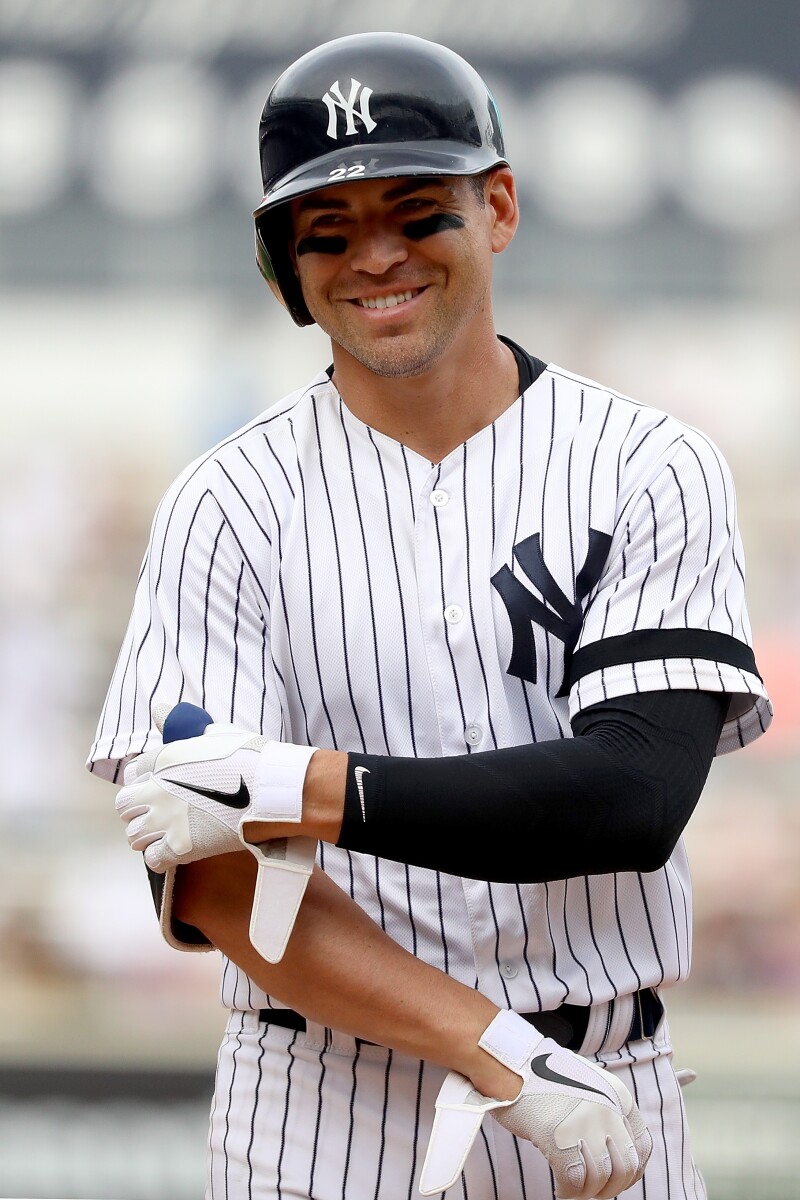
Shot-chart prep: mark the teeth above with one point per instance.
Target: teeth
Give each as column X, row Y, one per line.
column 385, row 301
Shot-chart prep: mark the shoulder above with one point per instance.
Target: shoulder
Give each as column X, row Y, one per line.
column 247, row 463
column 643, row 438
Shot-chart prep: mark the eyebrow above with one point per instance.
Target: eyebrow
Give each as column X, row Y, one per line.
column 311, row 203
column 415, row 185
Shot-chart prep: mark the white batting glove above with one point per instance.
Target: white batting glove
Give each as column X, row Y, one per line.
column 188, row 800
column 197, row 797
column 581, row 1117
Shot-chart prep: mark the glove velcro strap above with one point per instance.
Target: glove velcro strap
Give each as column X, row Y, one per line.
column 460, row 1108
column 278, row 786
column 510, row 1039
column 457, row 1119
column 284, row 868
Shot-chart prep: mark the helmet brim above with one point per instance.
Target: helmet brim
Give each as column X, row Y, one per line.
column 349, row 164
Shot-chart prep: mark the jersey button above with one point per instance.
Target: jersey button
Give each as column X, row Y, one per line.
column 453, row 614
column 439, row 498
column 473, row 735
column 508, row 970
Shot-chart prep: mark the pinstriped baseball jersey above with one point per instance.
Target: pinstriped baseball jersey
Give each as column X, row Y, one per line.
column 315, row 579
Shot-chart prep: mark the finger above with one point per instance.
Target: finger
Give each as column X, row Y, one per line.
column 140, row 766
column 640, row 1135
column 160, row 714
column 574, row 1175
column 144, row 841
column 624, row 1164
column 155, row 862
column 130, row 812
column 597, row 1168
column 126, row 799
column 141, row 831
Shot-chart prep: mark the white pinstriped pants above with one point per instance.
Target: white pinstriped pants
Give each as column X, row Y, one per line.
column 316, row 1116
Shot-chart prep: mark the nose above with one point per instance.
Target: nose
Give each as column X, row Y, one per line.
column 376, row 249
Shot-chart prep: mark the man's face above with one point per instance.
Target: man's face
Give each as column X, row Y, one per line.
column 394, row 270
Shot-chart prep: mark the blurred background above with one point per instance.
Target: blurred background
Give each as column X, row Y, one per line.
column 657, row 149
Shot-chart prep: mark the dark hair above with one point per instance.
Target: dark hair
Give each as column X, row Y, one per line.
column 478, row 185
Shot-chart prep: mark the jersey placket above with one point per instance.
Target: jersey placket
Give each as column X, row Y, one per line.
column 452, row 632
column 445, row 614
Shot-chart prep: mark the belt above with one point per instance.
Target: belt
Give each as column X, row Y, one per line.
column 566, row 1025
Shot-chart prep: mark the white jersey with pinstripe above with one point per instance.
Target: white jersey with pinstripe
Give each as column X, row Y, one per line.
column 319, row 581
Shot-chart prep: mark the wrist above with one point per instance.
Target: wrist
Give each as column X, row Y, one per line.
column 322, row 803
column 487, row 1074
column 323, row 795
column 492, row 1079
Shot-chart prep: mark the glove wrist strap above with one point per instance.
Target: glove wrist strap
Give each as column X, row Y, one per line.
column 285, row 865
column 278, row 785
column 510, row 1039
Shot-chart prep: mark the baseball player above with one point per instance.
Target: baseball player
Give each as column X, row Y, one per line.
column 476, row 626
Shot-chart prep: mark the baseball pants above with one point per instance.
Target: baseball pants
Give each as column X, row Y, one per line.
column 320, row 1116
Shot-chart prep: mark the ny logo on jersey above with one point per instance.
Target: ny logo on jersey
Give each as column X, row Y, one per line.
column 523, row 608
column 334, row 99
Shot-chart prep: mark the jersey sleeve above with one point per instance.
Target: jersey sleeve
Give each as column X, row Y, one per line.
column 199, row 630
column 669, row 611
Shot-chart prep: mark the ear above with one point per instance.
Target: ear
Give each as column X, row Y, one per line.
column 501, row 200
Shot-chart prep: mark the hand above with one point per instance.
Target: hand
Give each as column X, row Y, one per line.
column 197, row 797
column 580, row 1116
column 191, row 799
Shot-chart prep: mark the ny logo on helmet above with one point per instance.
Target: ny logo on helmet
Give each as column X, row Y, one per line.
column 334, row 99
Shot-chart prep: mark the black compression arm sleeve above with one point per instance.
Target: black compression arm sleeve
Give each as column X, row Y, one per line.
column 615, row 797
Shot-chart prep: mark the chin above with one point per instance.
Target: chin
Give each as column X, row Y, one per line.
column 398, row 357
column 395, row 366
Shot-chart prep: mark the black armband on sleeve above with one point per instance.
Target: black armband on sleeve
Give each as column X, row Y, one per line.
column 615, row 797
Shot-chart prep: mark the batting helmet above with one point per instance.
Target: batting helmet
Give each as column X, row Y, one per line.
column 369, row 106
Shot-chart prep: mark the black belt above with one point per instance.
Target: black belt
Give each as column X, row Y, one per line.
column 566, row 1025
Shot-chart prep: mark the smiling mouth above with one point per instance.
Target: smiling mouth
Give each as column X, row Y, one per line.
column 387, row 301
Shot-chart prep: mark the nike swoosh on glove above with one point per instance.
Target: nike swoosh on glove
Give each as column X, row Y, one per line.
column 196, row 797
column 581, row 1117
column 187, row 801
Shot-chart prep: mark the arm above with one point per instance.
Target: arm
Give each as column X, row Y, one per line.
column 339, row 968
column 381, row 992
column 615, row 797
column 342, row 970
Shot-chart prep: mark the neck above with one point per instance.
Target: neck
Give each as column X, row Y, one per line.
column 432, row 413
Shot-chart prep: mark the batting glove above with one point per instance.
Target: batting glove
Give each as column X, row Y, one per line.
column 199, row 795
column 581, row 1117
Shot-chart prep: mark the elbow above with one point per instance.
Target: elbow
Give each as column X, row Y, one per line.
column 644, row 854
column 655, row 853
column 651, row 840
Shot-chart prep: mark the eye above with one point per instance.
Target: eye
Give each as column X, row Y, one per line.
column 415, row 204
column 332, row 220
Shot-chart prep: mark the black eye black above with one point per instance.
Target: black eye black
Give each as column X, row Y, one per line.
column 436, row 222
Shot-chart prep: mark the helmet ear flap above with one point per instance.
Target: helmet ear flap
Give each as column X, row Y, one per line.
column 273, row 230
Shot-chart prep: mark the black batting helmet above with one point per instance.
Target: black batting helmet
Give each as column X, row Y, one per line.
column 369, row 106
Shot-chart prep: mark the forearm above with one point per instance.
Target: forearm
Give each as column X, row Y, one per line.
column 342, row 971
column 616, row 797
